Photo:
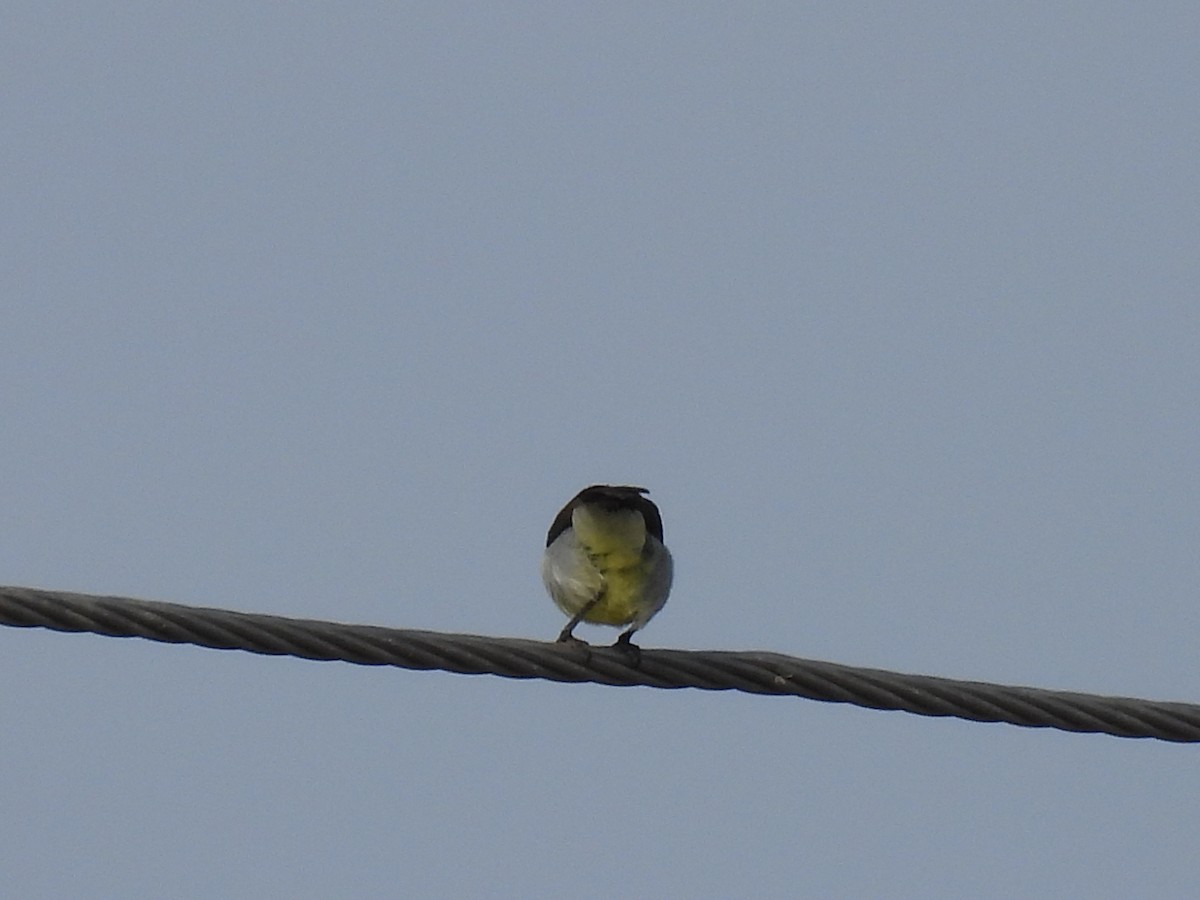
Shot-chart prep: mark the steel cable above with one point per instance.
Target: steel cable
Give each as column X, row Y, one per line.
column 712, row 670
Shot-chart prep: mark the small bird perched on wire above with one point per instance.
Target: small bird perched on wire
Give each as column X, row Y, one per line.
column 605, row 561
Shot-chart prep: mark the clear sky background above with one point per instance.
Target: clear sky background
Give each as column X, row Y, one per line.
column 323, row 310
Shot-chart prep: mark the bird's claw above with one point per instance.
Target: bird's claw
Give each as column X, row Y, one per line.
column 631, row 651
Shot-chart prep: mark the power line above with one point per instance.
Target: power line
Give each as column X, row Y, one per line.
column 713, row 670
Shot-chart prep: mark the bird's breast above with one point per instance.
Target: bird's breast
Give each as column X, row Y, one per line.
column 613, row 539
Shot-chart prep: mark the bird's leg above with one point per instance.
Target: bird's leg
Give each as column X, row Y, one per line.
column 628, row 648
column 565, row 636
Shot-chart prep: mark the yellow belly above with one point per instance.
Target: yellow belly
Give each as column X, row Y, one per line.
column 613, row 541
column 623, row 598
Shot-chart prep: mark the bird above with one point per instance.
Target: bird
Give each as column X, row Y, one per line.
column 605, row 561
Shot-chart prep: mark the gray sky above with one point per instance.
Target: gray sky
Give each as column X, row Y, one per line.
column 324, row 310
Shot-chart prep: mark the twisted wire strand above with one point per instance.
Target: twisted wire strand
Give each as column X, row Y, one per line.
column 711, row 670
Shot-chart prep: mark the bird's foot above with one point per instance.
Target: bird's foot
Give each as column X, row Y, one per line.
column 566, row 637
column 577, row 645
column 631, row 651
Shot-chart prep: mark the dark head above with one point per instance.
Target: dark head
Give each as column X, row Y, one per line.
column 610, row 497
